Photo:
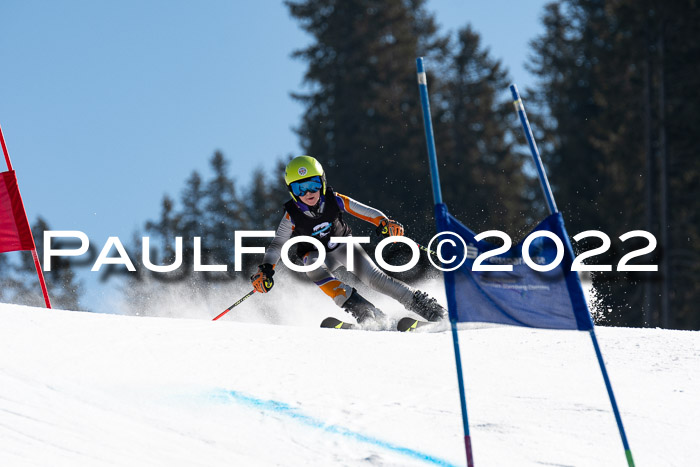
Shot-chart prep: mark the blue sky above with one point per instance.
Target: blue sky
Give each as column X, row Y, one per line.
column 107, row 106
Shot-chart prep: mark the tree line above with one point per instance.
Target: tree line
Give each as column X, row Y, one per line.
column 613, row 110
column 619, row 107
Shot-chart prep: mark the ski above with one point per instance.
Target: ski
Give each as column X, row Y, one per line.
column 335, row 323
column 410, row 324
column 404, row 324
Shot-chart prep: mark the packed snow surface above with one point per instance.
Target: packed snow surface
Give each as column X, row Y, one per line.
column 84, row 389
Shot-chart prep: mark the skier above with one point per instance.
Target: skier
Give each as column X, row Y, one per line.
column 317, row 210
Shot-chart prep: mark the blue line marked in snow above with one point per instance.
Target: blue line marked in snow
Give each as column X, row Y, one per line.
column 281, row 408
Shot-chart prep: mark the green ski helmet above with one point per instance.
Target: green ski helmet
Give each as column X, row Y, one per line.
column 302, row 168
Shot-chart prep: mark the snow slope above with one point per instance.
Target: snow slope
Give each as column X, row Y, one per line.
column 82, row 389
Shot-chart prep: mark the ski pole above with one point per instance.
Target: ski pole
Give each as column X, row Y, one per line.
column 385, row 231
column 235, row 304
column 431, row 252
column 421, row 247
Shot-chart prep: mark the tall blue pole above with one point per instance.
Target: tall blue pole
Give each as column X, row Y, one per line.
column 520, row 109
column 428, row 125
column 440, row 220
column 518, row 103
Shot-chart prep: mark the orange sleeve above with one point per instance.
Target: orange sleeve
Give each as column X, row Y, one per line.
column 361, row 211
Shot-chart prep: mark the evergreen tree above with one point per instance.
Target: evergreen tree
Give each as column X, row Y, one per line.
column 613, row 165
column 63, row 287
column 192, row 218
column 363, row 118
column 22, row 286
column 163, row 243
column 13, row 281
column 677, row 53
column 566, row 90
column 223, row 212
column 590, row 183
column 485, row 185
column 209, row 210
column 4, row 277
column 266, row 196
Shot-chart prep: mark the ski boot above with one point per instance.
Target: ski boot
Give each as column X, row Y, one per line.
column 426, row 306
column 360, row 308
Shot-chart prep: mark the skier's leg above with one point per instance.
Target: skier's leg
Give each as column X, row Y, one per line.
column 323, row 277
column 345, row 296
column 412, row 299
column 370, row 274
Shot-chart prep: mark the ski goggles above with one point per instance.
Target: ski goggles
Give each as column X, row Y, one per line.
column 311, row 185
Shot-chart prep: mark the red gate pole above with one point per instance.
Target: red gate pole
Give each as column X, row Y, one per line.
column 37, row 265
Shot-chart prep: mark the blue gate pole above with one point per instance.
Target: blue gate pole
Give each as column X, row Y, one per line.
column 440, row 221
column 520, row 109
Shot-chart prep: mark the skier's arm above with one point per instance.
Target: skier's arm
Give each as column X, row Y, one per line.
column 284, row 232
column 385, row 226
column 262, row 279
column 359, row 210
